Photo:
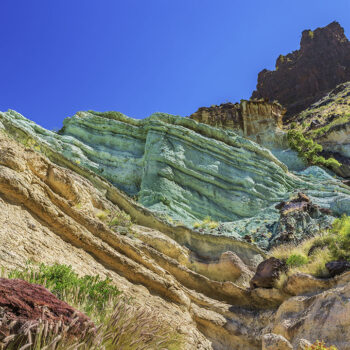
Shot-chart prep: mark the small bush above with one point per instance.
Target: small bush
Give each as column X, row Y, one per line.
column 296, row 260
column 319, row 345
column 309, row 150
column 103, row 215
column 340, row 245
column 121, row 218
column 207, row 223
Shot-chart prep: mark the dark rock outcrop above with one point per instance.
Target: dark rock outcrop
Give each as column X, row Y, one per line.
column 337, row 267
column 305, row 75
column 299, row 217
column 23, row 303
column 267, row 273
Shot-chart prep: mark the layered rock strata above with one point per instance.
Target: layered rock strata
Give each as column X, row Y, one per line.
column 248, row 118
column 50, row 214
column 183, row 170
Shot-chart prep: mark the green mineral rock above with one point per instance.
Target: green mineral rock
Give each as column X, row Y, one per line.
column 185, row 170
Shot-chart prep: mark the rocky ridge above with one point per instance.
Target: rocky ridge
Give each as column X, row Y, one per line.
column 305, row 75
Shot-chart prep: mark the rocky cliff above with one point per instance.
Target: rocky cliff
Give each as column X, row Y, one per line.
column 185, row 170
column 305, row 75
column 50, row 213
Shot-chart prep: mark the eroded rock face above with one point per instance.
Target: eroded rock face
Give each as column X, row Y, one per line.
column 303, row 76
column 24, row 303
column 272, row 341
column 267, row 273
column 168, row 161
column 249, row 118
column 320, row 316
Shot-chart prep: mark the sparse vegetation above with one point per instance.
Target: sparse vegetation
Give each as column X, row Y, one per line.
column 103, row 215
column 120, row 324
column 320, row 345
column 207, row 223
column 312, row 254
column 120, row 218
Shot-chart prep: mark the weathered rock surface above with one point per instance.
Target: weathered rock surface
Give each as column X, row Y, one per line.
column 320, row 316
column 303, row 76
column 204, row 171
column 25, row 303
column 248, row 118
column 272, row 341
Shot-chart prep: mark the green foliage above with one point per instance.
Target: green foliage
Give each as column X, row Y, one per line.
column 340, row 245
column 311, row 34
column 319, row 345
column 309, row 150
column 62, row 280
column 297, row 260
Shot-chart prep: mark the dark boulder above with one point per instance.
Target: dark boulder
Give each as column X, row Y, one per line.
column 337, row 267
column 267, row 273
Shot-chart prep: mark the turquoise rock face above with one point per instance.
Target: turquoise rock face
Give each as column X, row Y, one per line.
column 186, row 170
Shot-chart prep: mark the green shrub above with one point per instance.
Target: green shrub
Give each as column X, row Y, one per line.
column 309, row 150
column 296, row 260
column 340, row 245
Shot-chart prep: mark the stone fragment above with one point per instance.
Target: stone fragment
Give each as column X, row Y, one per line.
column 267, row 273
column 271, row 341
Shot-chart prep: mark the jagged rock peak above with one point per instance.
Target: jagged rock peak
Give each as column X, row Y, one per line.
column 305, row 75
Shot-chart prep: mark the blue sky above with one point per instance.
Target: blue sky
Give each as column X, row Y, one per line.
column 144, row 56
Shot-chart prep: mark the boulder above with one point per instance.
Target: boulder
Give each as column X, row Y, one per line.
column 267, row 273
column 23, row 303
column 337, row 267
column 271, row 341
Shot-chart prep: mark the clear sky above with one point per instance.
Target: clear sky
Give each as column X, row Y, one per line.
column 145, row 56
